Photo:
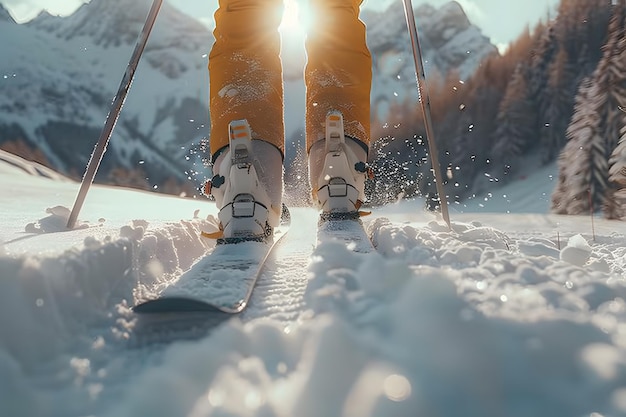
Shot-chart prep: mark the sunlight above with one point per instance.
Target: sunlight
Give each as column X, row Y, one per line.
column 295, row 19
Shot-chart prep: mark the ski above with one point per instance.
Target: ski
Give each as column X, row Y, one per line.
column 349, row 231
column 222, row 282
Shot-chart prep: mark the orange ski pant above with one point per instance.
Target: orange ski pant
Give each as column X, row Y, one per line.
column 245, row 70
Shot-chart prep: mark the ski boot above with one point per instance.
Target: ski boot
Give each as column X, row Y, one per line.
column 338, row 171
column 247, row 187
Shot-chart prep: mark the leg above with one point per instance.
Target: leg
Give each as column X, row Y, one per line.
column 246, row 102
column 245, row 72
column 338, row 74
column 338, row 77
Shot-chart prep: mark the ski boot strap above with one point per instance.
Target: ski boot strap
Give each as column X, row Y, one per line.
column 342, row 180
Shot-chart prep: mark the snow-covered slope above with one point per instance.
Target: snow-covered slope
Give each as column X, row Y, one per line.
column 504, row 315
column 530, row 192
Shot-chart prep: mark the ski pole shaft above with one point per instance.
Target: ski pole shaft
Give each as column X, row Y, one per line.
column 116, row 108
column 424, row 99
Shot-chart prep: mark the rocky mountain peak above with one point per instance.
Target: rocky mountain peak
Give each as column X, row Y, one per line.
column 5, row 16
column 449, row 39
column 107, row 22
column 450, row 42
column 114, row 23
column 111, row 24
column 444, row 23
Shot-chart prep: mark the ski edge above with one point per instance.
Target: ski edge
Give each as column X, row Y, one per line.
column 167, row 305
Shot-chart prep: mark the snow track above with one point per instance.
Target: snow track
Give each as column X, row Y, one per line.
column 279, row 294
column 508, row 315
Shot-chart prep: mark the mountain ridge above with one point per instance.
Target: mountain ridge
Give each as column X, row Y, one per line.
column 5, row 16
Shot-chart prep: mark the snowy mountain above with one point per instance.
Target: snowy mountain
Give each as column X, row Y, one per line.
column 59, row 75
column 5, row 16
column 448, row 40
column 502, row 315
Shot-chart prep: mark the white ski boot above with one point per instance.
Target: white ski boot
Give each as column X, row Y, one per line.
column 247, row 186
column 338, row 171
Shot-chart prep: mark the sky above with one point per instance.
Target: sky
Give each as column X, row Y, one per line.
column 502, row 21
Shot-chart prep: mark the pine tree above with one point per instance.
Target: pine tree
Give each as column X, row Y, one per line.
column 581, row 29
column 617, row 177
column 571, row 195
column 594, row 131
column 542, row 56
column 610, row 77
column 477, row 124
column 615, row 206
column 559, row 105
column 515, row 121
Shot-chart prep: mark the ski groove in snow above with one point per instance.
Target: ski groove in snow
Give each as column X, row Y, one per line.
column 279, row 294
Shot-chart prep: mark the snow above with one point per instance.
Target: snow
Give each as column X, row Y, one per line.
column 502, row 315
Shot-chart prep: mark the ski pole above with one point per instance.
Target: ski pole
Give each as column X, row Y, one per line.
column 425, row 104
column 116, row 108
